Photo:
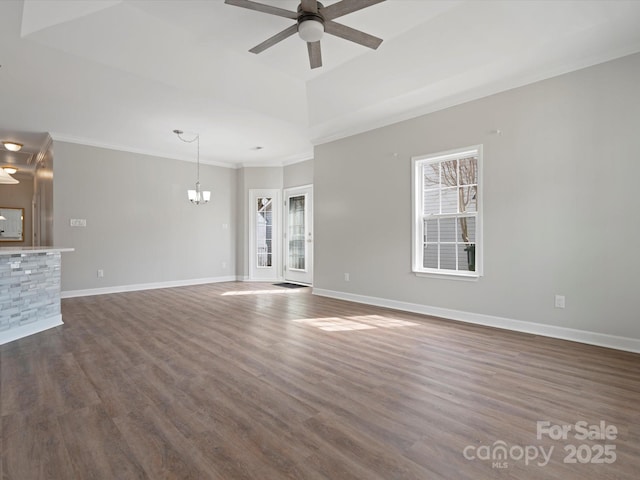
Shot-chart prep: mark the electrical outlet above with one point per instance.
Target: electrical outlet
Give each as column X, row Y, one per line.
column 346, row 277
column 559, row 301
column 78, row 222
column 224, row 264
column 100, row 273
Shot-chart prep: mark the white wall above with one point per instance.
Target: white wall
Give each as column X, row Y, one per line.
column 141, row 228
column 560, row 204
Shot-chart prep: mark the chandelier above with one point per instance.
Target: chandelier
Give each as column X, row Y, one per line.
column 198, row 195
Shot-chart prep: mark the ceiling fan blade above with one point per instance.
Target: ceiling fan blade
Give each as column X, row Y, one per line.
column 352, row 34
column 310, row 6
column 278, row 37
column 346, row 6
column 260, row 7
column 315, row 54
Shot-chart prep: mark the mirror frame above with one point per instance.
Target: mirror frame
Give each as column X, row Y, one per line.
column 12, row 239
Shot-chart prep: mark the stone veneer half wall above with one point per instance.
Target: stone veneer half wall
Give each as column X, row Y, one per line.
column 29, row 293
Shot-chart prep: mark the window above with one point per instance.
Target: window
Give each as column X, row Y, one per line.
column 264, row 232
column 447, row 213
column 297, row 229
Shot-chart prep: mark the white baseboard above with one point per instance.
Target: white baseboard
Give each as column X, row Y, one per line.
column 582, row 336
column 145, row 286
column 29, row 329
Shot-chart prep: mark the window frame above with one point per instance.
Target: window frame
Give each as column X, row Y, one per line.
column 418, row 216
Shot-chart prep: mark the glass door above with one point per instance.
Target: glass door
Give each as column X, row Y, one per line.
column 264, row 247
column 298, row 235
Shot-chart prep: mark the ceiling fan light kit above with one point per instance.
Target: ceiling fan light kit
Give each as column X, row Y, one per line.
column 311, row 30
column 313, row 20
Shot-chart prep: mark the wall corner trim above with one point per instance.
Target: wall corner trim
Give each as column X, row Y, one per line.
column 581, row 336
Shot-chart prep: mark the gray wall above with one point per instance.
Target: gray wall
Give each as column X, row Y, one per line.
column 140, row 226
column 298, row 174
column 248, row 178
column 251, row 178
column 560, row 203
column 43, row 196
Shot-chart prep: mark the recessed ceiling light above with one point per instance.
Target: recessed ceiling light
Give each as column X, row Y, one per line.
column 12, row 146
column 10, row 170
column 257, row 147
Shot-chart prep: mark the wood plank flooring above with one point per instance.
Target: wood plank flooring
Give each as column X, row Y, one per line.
column 253, row 381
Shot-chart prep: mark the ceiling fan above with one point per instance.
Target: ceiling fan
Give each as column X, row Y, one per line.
column 312, row 20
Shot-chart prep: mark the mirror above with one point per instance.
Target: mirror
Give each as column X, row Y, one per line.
column 11, row 224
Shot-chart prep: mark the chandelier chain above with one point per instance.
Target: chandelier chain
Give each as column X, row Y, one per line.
column 197, row 196
column 197, row 137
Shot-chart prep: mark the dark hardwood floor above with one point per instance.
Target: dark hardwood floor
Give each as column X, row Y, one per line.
column 253, row 381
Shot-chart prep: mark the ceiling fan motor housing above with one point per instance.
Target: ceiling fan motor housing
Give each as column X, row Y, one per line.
column 319, row 6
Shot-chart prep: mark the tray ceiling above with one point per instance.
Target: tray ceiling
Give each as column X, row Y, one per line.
column 124, row 73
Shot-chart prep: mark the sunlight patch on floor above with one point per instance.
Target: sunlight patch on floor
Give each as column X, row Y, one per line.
column 334, row 324
column 382, row 322
column 360, row 322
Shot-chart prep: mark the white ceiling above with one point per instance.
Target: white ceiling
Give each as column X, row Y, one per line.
column 125, row 73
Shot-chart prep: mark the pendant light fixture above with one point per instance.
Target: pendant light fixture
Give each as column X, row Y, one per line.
column 7, row 179
column 198, row 195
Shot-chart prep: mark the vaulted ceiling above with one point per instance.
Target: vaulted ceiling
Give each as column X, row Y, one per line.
column 124, row 73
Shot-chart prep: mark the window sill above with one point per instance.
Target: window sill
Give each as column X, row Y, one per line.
column 450, row 276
